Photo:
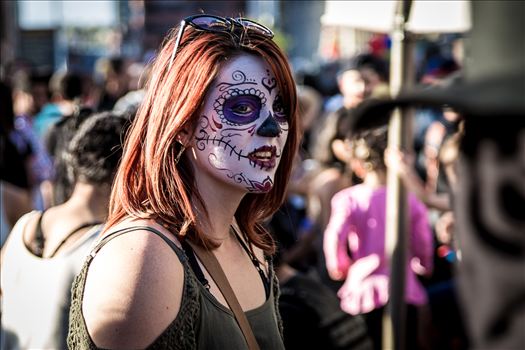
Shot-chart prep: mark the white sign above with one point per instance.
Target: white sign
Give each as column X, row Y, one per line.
column 48, row 14
column 426, row 16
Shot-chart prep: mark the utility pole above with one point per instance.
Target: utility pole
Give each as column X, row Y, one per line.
column 397, row 224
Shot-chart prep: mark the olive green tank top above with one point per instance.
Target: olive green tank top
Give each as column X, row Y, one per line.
column 202, row 322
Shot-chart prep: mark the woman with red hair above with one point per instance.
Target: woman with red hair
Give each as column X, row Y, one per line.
column 207, row 160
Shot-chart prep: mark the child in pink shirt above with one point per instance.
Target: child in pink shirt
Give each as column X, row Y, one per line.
column 354, row 240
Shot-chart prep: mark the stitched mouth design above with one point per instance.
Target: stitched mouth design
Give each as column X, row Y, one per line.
column 263, row 157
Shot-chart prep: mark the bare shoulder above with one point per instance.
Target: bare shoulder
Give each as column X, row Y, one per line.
column 133, row 289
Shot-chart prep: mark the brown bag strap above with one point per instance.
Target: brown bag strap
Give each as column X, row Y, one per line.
column 213, row 267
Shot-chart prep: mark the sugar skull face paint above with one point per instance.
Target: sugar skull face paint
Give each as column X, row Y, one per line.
column 243, row 126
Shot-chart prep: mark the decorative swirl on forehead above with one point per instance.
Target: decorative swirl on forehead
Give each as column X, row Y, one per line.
column 239, row 78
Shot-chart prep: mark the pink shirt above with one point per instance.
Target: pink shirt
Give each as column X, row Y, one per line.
column 357, row 224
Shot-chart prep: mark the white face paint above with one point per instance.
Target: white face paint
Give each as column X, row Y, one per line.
column 243, row 126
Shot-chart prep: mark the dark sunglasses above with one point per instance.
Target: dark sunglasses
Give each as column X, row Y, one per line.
column 210, row 23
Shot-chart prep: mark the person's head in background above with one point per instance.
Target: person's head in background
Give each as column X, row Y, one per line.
column 66, row 90
column 130, row 102
column 93, row 154
column 30, row 91
column 362, row 77
column 113, row 78
column 367, row 150
column 328, row 148
column 39, row 90
column 215, row 102
column 340, row 155
column 310, row 108
column 56, row 143
column 66, row 85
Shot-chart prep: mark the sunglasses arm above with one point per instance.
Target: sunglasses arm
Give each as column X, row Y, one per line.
column 177, row 42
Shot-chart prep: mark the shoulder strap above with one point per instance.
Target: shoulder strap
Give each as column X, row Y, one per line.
column 75, row 230
column 120, row 232
column 39, row 236
column 265, row 279
column 214, row 269
column 194, row 264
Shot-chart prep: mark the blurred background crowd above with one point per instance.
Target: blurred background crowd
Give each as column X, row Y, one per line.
column 62, row 62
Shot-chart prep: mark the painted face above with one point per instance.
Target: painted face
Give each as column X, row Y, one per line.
column 243, row 126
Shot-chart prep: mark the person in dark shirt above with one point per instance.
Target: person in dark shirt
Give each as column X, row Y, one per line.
column 15, row 152
column 310, row 311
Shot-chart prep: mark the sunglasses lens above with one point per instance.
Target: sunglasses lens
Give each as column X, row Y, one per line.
column 210, row 23
column 256, row 27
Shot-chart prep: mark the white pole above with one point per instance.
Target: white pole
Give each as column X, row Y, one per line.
column 397, row 226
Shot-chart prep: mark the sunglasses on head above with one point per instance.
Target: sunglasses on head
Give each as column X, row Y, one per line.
column 217, row 24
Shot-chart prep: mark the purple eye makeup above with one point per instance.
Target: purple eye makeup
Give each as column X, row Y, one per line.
column 238, row 107
column 279, row 112
column 242, row 109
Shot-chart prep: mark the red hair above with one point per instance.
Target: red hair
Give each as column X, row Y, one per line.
column 149, row 182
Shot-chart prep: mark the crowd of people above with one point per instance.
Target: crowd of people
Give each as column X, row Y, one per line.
column 332, row 226
column 217, row 145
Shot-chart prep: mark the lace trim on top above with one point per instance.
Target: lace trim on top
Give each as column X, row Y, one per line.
column 180, row 334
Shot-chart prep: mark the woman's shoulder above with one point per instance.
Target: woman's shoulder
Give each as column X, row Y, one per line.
column 139, row 231
column 133, row 287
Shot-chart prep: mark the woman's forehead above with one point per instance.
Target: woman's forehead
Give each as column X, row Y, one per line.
column 253, row 67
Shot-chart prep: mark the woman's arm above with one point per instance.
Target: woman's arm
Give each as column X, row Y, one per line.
column 133, row 291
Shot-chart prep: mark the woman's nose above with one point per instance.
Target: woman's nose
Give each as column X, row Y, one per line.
column 269, row 128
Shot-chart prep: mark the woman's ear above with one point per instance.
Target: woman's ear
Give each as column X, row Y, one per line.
column 184, row 137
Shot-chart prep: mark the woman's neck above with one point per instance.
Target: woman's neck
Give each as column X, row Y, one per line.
column 221, row 202
column 92, row 200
